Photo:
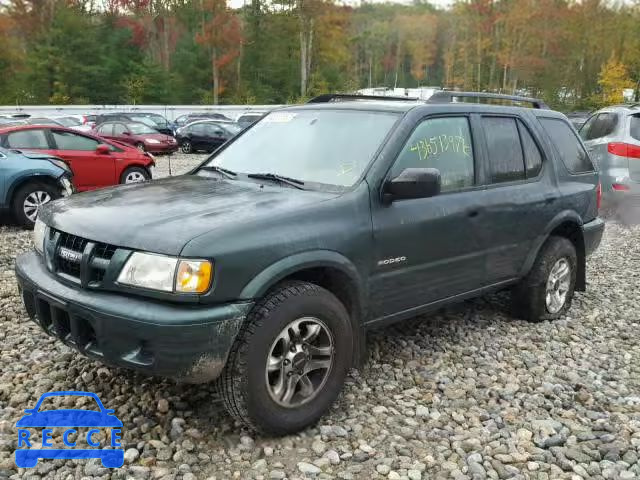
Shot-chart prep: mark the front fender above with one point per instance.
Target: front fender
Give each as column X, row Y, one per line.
column 15, row 181
column 285, row 267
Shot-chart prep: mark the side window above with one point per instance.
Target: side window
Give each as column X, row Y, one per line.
column 532, row 155
column 505, row 150
column 73, row 141
column 634, row 127
column 442, row 143
column 568, row 145
column 106, row 129
column 584, row 131
column 119, row 128
column 604, row 124
column 27, row 139
column 199, row 129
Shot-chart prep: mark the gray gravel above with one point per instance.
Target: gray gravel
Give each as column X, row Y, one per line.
column 468, row 393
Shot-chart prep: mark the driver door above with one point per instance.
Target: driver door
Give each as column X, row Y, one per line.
column 91, row 169
column 427, row 249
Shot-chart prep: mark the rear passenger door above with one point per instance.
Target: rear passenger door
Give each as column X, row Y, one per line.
column 427, row 249
column 517, row 203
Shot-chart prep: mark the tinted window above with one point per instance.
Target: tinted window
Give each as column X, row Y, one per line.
column 634, row 127
column 119, row 128
column 442, row 143
column 27, row 139
column 568, row 145
column 73, row 141
column 584, row 131
column 532, row 155
column 106, row 129
column 603, row 125
column 505, row 150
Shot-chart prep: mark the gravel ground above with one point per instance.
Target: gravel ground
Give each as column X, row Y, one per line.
column 467, row 393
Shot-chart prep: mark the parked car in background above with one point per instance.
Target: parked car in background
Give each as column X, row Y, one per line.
column 149, row 119
column 249, row 119
column 9, row 121
column 43, row 121
column 29, row 180
column 141, row 136
column 95, row 162
column 205, row 135
column 75, row 122
column 183, row 120
column 612, row 136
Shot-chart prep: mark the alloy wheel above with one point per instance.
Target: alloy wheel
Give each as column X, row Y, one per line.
column 558, row 285
column 33, row 202
column 134, row 177
column 299, row 362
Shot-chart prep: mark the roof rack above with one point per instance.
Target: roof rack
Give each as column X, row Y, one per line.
column 341, row 97
column 449, row 96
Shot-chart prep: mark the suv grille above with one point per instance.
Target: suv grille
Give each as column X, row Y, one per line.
column 69, row 259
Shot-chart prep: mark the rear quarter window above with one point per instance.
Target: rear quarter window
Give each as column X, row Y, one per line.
column 568, row 145
column 634, row 126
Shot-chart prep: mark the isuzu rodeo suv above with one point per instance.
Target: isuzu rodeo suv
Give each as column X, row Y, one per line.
column 266, row 265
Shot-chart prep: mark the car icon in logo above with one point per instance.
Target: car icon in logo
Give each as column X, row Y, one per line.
column 69, row 419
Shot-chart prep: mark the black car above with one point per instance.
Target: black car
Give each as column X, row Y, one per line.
column 205, row 135
column 265, row 266
column 188, row 118
column 153, row 120
column 249, row 119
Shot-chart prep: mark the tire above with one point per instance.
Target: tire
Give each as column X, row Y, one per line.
column 28, row 199
column 529, row 298
column 186, row 147
column 247, row 385
column 141, row 147
column 135, row 175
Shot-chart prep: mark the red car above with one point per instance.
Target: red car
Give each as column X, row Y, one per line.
column 95, row 162
column 141, row 136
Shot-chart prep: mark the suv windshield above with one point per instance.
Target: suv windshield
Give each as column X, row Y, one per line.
column 331, row 147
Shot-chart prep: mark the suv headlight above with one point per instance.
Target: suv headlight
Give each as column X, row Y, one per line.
column 166, row 274
column 39, row 230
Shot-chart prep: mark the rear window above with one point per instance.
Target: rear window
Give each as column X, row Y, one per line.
column 601, row 126
column 568, row 145
column 634, row 127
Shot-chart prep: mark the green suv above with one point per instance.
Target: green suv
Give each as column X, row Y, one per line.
column 265, row 266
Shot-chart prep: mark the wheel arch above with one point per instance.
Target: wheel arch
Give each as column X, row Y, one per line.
column 134, row 165
column 327, row 269
column 18, row 183
column 567, row 224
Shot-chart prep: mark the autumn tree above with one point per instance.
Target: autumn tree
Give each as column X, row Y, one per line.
column 613, row 79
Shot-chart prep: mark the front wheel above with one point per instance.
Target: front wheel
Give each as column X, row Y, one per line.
column 135, row 175
column 546, row 293
column 186, row 147
column 29, row 199
column 290, row 359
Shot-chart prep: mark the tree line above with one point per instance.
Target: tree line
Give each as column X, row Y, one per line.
column 576, row 55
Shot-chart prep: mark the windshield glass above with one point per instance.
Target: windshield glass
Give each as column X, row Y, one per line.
column 140, row 129
column 324, row 146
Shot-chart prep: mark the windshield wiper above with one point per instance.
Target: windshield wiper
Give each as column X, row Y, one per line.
column 227, row 173
column 293, row 182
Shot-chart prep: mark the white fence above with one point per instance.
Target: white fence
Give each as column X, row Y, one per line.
column 170, row 112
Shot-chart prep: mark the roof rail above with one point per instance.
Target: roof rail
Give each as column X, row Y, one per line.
column 448, row 96
column 341, row 97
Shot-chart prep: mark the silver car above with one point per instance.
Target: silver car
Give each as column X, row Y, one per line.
column 612, row 136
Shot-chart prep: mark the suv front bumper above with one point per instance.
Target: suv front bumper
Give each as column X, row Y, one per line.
column 190, row 342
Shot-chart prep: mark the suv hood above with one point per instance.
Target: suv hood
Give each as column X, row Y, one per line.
column 163, row 215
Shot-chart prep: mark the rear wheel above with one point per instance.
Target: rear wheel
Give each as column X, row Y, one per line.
column 546, row 293
column 135, row 175
column 29, row 199
column 289, row 361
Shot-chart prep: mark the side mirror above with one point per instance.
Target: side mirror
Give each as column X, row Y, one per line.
column 103, row 149
column 127, row 133
column 413, row 183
